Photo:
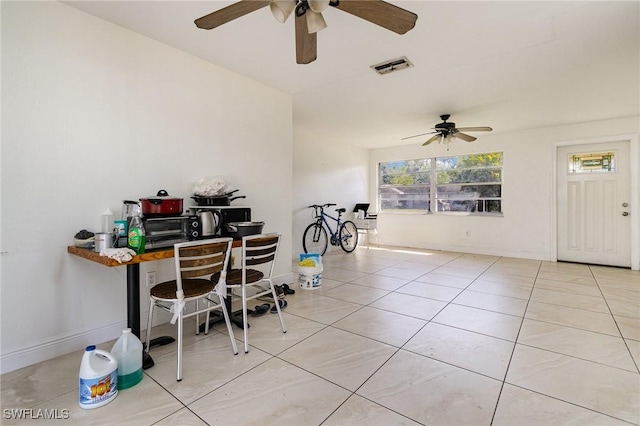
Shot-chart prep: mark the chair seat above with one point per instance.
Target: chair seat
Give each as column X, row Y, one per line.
column 191, row 288
column 234, row 276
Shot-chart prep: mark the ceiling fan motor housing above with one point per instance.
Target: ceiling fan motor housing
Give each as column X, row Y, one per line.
column 445, row 126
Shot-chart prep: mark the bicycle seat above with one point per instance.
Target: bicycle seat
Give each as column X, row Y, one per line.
column 341, row 210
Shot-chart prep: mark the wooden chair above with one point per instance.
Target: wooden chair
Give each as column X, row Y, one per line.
column 196, row 262
column 257, row 263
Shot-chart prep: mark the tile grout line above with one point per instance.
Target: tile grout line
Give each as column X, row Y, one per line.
column 515, row 345
column 614, row 320
column 397, row 349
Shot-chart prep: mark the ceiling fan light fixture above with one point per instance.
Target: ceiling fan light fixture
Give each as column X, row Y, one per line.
column 281, row 9
column 318, row 5
column 315, row 21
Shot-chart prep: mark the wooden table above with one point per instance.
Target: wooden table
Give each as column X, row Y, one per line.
column 133, row 279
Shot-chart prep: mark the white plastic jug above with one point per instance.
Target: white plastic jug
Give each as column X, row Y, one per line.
column 128, row 352
column 98, row 378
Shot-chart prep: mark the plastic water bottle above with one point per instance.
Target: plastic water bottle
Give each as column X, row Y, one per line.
column 107, row 221
column 136, row 239
column 128, row 352
column 98, row 378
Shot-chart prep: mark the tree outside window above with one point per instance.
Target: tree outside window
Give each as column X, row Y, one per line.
column 469, row 183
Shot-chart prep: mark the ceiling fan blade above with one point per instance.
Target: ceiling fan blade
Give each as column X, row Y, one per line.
column 380, row 13
column 432, row 139
column 415, row 136
column 464, row 137
column 475, row 129
column 306, row 44
column 229, row 13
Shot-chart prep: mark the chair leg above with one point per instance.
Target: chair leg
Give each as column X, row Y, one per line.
column 152, row 304
column 206, row 323
column 245, row 320
column 275, row 297
column 198, row 317
column 229, row 329
column 179, row 348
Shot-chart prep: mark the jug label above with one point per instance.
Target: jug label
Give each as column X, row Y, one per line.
column 98, row 390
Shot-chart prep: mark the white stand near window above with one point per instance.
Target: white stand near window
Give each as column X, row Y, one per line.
column 367, row 226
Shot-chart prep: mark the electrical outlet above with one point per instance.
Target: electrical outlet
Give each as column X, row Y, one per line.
column 151, row 278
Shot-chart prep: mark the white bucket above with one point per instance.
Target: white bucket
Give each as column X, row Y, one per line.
column 310, row 277
column 98, row 378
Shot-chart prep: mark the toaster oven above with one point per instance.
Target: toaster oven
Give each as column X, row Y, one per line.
column 163, row 232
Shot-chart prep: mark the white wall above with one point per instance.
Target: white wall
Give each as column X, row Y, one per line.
column 526, row 228
column 325, row 171
column 93, row 114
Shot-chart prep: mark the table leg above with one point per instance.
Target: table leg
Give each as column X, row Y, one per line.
column 235, row 317
column 133, row 298
column 133, row 313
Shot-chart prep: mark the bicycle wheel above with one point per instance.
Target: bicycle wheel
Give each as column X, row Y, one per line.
column 314, row 239
column 348, row 236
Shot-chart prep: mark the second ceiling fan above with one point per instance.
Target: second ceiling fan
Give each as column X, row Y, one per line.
column 309, row 19
column 445, row 131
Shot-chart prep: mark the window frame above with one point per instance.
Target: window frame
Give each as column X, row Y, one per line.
column 488, row 205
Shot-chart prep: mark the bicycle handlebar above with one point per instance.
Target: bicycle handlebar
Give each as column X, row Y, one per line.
column 323, row 205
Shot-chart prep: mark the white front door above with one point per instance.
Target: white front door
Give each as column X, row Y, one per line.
column 594, row 223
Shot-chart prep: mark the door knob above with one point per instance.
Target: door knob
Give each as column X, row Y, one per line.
column 625, row 213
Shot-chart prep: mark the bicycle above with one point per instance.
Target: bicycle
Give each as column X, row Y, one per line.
column 315, row 239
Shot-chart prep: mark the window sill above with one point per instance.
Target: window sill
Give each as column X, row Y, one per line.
column 404, row 212
column 483, row 214
column 447, row 213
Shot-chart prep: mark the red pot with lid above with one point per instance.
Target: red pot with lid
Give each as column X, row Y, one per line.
column 161, row 205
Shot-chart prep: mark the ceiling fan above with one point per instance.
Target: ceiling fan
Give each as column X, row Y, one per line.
column 446, row 131
column 309, row 19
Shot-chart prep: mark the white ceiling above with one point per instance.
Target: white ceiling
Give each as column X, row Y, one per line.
column 511, row 65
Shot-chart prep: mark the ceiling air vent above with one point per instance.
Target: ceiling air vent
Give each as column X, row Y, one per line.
column 392, row 65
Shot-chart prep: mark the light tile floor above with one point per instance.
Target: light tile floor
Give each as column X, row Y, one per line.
column 394, row 336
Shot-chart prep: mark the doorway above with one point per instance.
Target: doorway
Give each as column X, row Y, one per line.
column 593, row 203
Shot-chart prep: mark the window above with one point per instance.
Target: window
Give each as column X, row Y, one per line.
column 602, row 162
column 405, row 185
column 468, row 183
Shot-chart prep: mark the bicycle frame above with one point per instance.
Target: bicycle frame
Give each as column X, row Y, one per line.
column 323, row 219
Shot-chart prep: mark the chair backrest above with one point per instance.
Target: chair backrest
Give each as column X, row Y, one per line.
column 195, row 259
column 260, row 250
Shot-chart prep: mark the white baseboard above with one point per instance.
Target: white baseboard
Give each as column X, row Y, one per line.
column 290, row 278
column 32, row 355
column 42, row 352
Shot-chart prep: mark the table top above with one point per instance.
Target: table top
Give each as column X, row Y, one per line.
column 158, row 254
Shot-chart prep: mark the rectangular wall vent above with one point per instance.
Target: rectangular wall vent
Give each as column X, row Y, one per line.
column 392, row 65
